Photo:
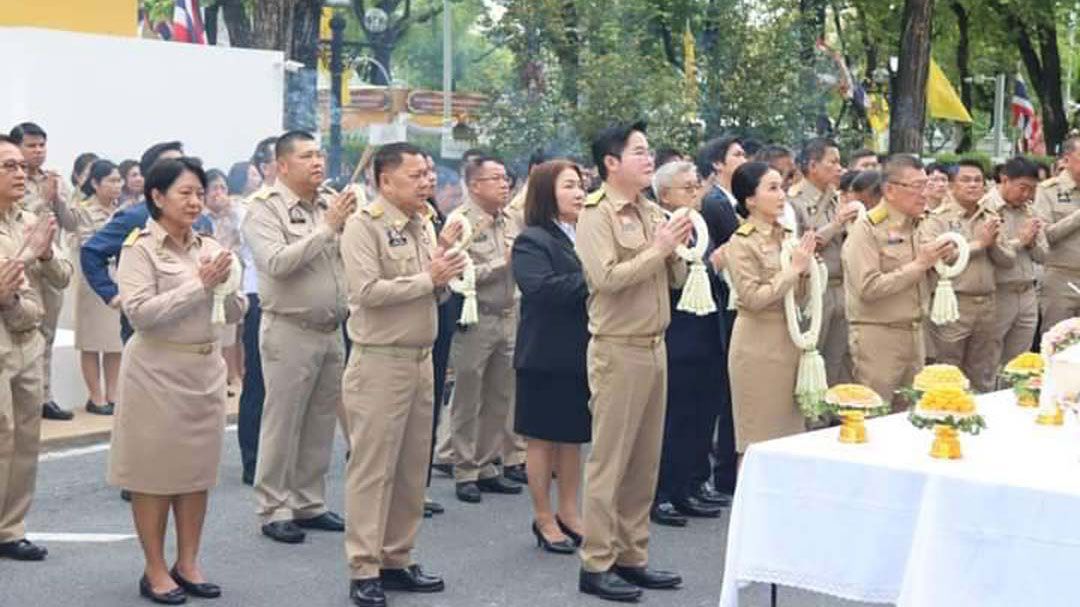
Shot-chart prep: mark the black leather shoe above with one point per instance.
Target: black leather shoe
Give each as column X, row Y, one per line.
column 665, row 514
column 285, row 532
column 468, row 492
column 607, row 585
column 23, row 550
column 205, row 590
column 248, row 477
column 411, row 579
column 433, row 507
column 51, row 410
column 125, row 495
column 498, row 484
column 99, row 409
column 692, row 506
column 444, row 469
column 709, row 495
column 327, row 521
column 568, row 532
column 653, row 579
column 516, row 474
column 367, row 592
column 176, row 596
column 565, row 546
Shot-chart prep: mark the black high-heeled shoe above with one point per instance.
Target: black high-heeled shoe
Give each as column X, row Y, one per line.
column 560, row 547
column 176, row 596
column 205, row 590
column 568, row 532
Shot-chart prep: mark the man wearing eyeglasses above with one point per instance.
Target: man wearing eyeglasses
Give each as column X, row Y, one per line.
column 968, row 343
column 885, row 264
column 483, row 354
column 1057, row 203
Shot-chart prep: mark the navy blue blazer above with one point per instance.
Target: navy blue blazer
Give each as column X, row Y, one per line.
column 553, row 330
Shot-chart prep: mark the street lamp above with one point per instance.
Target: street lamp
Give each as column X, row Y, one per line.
column 337, row 34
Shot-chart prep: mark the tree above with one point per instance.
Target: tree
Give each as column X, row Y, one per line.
column 963, row 23
column 908, row 108
column 382, row 44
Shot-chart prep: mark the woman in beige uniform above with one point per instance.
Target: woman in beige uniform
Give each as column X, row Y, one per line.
column 227, row 232
column 763, row 360
column 166, row 444
column 97, row 326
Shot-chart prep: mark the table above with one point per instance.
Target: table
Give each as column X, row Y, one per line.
column 884, row 522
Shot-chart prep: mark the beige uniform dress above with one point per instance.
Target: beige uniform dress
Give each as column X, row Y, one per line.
column 482, row 355
column 388, row 384
column 52, row 296
column 21, row 347
column 762, row 360
column 969, row 343
column 97, row 326
column 1017, row 304
column 302, row 292
column 170, row 418
column 629, row 310
column 887, row 302
column 1057, row 202
column 821, row 208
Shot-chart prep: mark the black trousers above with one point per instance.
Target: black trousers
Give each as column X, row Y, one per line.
column 440, row 358
column 253, row 391
column 697, row 392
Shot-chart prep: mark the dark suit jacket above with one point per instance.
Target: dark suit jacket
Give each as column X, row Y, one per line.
column 553, row 330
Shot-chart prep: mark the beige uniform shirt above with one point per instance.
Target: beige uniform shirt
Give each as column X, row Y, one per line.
column 1023, row 271
column 392, row 299
column 34, row 200
column 24, row 314
column 628, row 279
column 56, row 272
column 296, row 255
column 1057, row 202
column 820, row 209
column 979, row 278
column 492, row 237
column 879, row 289
column 753, row 261
column 516, row 208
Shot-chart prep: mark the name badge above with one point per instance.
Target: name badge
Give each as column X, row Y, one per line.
column 297, row 216
column 1064, row 197
column 480, row 237
column 894, row 238
column 395, row 238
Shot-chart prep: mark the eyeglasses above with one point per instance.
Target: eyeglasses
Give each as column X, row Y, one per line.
column 11, row 165
column 918, row 186
column 689, row 189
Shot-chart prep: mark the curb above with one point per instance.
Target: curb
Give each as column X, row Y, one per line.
column 94, row 437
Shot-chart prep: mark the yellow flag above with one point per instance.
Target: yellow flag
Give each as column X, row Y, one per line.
column 941, row 98
column 690, row 67
column 878, row 114
column 324, row 23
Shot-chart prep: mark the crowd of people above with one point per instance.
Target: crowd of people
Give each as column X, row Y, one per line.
column 550, row 316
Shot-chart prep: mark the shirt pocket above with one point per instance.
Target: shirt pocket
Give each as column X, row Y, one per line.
column 401, row 260
column 171, row 274
column 630, row 235
column 893, row 257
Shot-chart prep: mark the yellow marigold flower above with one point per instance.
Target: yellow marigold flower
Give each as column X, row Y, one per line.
column 940, row 376
column 947, row 400
column 1026, row 363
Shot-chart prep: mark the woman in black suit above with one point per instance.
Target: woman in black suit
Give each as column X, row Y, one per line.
column 552, row 388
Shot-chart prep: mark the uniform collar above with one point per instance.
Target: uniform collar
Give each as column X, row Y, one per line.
column 498, row 217
column 1066, row 179
column 993, row 200
column 290, row 197
column 394, row 216
column 161, row 237
column 816, row 195
column 895, row 217
column 766, row 229
column 952, row 206
column 618, row 200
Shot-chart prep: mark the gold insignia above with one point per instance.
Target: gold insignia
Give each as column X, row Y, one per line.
column 134, row 235
column 594, row 199
column 373, row 210
column 746, row 229
column 878, row 214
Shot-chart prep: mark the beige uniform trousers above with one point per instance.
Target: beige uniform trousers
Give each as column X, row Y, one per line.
column 444, row 448
column 629, row 395
column 483, row 360
column 52, row 299
column 833, row 339
column 20, row 433
column 302, row 371
column 887, row 358
column 968, row 343
column 388, row 395
column 1015, row 322
column 1059, row 301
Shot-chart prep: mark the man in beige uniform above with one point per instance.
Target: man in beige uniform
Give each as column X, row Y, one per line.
column 1057, row 204
column 1017, row 310
column 626, row 249
column 396, row 273
column 21, row 348
column 969, row 341
column 482, row 355
column 293, row 233
column 885, row 276
column 46, row 193
column 817, row 199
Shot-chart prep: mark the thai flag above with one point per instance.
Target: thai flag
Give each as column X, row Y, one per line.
column 1022, row 109
column 187, row 22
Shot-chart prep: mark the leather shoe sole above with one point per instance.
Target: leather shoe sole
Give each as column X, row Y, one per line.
column 278, row 532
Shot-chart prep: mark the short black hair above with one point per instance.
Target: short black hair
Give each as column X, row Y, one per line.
column 538, row 157
column 264, row 152
column 898, row 163
column 24, row 129
column 846, row 179
column 238, row 176
column 714, row 150
column 866, row 181
column 940, row 167
column 284, row 144
column 125, row 167
column 163, row 175
column 214, row 174
column 81, row 162
column 611, row 141
column 971, row 163
column 745, row 182
column 390, row 157
column 152, row 153
column 99, row 170
column 8, row 140
column 471, row 153
column 773, row 152
column 1019, row 167
column 813, row 151
column 666, row 154
column 861, row 153
column 476, row 164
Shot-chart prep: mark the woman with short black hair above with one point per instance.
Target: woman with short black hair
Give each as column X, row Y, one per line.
column 166, row 444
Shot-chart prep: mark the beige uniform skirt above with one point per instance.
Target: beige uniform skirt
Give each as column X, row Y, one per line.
column 97, row 326
column 762, row 364
column 170, row 419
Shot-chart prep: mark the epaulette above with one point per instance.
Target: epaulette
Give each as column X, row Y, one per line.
column 262, row 194
column 373, row 210
column 1051, row 182
column 594, row 199
column 746, row 229
column 134, row 235
column 878, row 214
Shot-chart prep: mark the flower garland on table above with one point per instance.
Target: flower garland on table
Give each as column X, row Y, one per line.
column 947, row 406
column 465, row 285
column 696, row 294
column 945, row 309
column 811, row 382
column 224, row 290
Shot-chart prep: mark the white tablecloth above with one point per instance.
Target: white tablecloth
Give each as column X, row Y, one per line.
column 885, row 522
